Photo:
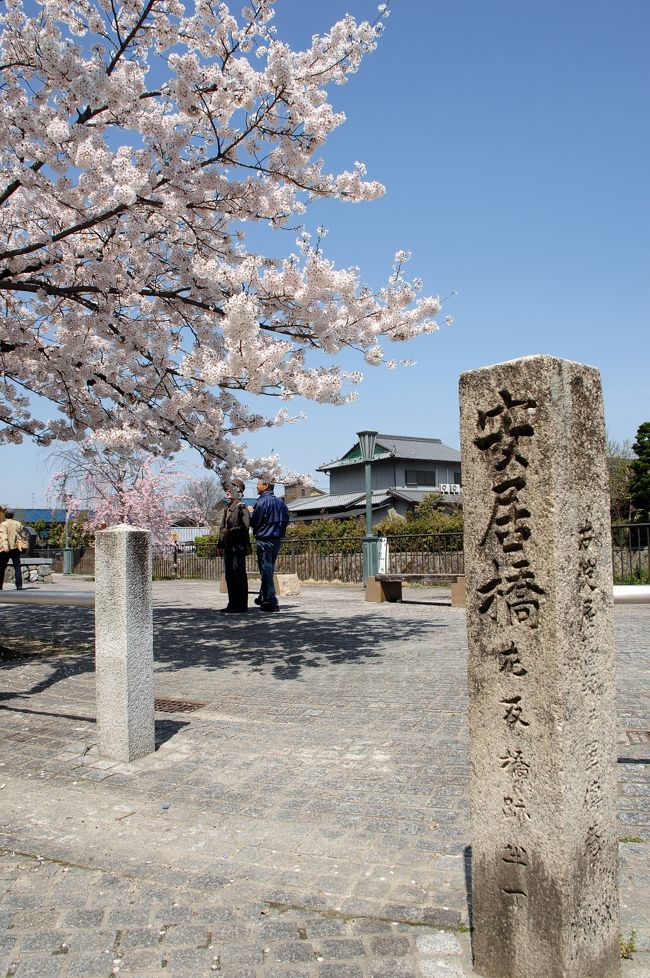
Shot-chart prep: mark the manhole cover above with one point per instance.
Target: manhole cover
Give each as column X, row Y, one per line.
column 638, row 736
column 177, row 706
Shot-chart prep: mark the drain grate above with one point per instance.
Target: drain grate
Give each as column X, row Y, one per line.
column 638, row 736
column 177, row 706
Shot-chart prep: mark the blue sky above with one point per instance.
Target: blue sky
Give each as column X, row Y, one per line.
column 513, row 142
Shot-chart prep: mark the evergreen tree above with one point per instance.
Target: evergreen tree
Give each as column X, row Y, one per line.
column 639, row 484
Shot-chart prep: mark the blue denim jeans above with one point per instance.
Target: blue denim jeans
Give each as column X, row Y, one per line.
column 267, row 552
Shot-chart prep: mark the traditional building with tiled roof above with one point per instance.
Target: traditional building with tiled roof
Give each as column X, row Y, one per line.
column 405, row 469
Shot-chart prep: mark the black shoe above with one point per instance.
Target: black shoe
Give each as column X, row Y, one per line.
column 269, row 607
column 232, row 611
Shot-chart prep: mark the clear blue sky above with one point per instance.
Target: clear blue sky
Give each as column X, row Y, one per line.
column 513, row 141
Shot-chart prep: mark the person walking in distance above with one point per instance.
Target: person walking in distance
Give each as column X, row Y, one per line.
column 11, row 546
column 234, row 542
column 269, row 519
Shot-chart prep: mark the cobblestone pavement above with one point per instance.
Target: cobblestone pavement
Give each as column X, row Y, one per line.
column 308, row 819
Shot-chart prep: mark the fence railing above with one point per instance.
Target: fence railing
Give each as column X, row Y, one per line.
column 340, row 559
column 631, row 553
column 83, row 559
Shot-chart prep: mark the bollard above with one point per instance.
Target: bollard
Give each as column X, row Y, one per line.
column 124, row 643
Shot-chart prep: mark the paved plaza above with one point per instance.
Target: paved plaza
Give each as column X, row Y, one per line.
column 305, row 814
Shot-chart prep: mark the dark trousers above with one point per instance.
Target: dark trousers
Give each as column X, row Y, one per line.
column 14, row 557
column 267, row 553
column 234, row 561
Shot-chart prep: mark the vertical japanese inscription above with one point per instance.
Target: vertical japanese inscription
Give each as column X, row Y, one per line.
column 542, row 723
column 588, row 604
column 587, row 567
column 511, row 597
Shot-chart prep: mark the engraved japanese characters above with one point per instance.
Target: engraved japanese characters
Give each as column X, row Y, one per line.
column 540, row 671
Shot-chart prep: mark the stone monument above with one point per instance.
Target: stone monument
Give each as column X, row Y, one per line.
column 124, row 643
column 541, row 671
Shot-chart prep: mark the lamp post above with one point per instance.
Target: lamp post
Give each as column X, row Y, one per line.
column 367, row 449
column 67, row 551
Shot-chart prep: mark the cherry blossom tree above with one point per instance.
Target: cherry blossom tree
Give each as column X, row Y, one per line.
column 140, row 140
column 122, row 487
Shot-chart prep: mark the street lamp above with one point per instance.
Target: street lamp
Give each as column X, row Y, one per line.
column 67, row 550
column 367, row 449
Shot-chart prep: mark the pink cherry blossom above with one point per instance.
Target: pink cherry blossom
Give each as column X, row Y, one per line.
column 122, row 487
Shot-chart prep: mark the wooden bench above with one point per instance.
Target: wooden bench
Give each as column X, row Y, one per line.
column 388, row 587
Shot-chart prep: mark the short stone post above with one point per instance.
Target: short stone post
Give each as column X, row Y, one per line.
column 124, row 643
column 541, row 671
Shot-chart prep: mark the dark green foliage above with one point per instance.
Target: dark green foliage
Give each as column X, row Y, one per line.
column 78, row 533
column 639, row 484
column 430, row 517
column 348, row 535
column 345, row 536
column 206, row 546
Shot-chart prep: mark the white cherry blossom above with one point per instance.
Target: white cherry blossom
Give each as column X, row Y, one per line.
column 139, row 139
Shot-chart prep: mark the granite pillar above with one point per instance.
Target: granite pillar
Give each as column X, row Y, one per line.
column 541, row 671
column 124, row 643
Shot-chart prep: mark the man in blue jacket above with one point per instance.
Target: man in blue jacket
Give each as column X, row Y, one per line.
column 269, row 518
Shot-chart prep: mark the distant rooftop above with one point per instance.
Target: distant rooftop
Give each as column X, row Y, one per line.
column 353, row 503
column 53, row 515
column 410, row 447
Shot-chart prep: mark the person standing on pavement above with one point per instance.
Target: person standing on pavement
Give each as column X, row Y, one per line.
column 11, row 546
column 269, row 519
column 234, row 542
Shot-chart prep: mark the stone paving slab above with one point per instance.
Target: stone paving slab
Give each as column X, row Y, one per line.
column 309, row 818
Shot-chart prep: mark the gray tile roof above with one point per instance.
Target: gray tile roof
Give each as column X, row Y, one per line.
column 404, row 447
column 417, row 495
column 426, row 449
column 314, row 504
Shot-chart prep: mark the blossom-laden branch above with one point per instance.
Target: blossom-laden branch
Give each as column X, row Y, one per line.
column 122, row 487
column 138, row 142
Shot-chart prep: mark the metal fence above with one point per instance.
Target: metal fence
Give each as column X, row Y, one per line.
column 426, row 553
column 83, row 559
column 340, row 559
column 631, row 553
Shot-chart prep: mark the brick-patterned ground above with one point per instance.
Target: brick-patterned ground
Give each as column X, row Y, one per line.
column 310, row 820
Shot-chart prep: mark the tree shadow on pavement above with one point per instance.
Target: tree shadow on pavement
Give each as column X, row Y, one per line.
column 61, row 667
column 286, row 643
column 50, row 625
column 61, row 638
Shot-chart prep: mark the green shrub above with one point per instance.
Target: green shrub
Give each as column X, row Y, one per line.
column 206, row 546
column 78, row 533
column 326, row 536
column 640, row 575
column 431, row 518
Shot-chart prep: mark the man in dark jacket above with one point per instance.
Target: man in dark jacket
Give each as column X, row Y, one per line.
column 269, row 519
column 234, row 542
